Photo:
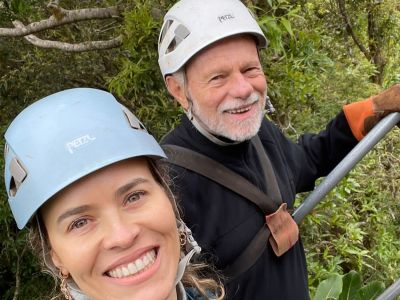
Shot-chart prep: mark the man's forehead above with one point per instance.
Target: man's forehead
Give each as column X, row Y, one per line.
column 220, row 48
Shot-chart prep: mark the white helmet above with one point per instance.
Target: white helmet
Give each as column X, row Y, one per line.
column 191, row 25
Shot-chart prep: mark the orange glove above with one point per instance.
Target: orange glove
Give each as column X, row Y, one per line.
column 362, row 116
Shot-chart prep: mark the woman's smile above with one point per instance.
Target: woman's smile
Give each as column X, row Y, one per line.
column 135, row 267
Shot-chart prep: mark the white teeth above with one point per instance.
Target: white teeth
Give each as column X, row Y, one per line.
column 134, row 267
column 119, row 273
column 125, row 272
column 139, row 264
column 238, row 111
column 146, row 260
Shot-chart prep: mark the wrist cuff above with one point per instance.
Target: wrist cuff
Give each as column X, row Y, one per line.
column 356, row 113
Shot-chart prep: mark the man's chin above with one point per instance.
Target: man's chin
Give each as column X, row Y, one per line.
column 239, row 135
column 233, row 131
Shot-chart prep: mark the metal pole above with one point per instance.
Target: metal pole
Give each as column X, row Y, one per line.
column 391, row 293
column 354, row 156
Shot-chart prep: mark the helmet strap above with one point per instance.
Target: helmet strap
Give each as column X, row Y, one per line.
column 197, row 123
column 209, row 135
column 189, row 248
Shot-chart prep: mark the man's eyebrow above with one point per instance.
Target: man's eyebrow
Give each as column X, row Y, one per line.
column 126, row 187
column 72, row 212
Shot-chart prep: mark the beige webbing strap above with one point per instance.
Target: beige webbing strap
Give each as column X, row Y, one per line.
column 217, row 172
column 284, row 230
column 269, row 175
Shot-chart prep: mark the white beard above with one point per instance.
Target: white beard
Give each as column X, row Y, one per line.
column 238, row 131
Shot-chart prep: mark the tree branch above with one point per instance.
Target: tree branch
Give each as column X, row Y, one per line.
column 78, row 47
column 349, row 29
column 61, row 17
column 18, row 273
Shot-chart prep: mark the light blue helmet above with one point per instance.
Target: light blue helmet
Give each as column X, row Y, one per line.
column 62, row 138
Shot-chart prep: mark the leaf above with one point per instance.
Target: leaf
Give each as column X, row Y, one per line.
column 329, row 288
column 351, row 285
column 371, row 291
column 288, row 26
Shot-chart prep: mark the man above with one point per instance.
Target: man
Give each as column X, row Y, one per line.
column 208, row 55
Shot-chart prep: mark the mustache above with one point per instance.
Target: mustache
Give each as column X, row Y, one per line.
column 236, row 103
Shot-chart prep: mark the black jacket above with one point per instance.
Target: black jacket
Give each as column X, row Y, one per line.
column 223, row 222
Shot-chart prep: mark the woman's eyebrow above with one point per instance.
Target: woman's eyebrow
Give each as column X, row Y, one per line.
column 72, row 212
column 126, row 187
column 120, row 191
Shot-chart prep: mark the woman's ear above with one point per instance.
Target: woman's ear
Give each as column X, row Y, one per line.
column 177, row 91
column 56, row 259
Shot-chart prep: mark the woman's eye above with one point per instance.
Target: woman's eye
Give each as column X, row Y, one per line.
column 133, row 197
column 78, row 224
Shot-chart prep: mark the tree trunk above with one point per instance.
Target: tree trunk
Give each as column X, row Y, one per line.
column 375, row 48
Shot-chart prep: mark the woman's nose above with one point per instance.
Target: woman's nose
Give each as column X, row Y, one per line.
column 119, row 233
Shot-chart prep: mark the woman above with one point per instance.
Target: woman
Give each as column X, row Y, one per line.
column 84, row 173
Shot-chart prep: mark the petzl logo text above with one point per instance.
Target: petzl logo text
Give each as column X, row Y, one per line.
column 225, row 18
column 73, row 145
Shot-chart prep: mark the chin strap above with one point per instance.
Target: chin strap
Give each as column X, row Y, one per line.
column 269, row 109
column 75, row 292
column 207, row 134
column 180, row 292
column 190, row 248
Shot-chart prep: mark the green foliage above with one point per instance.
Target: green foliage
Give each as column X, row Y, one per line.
column 356, row 227
column 139, row 82
column 347, row 287
column 329, row 288
column 313, row 68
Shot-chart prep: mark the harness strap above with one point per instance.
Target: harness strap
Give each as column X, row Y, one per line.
column 249, row 255
column 217, row 172
column 269, row 175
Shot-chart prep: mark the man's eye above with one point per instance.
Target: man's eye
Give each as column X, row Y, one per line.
column 133, row 197
column 78, row 224
column 218, row 77
column 253, row 70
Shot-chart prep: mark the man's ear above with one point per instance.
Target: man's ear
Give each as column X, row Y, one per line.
column 177, row 91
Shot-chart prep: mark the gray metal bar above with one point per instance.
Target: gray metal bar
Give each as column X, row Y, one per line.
column 391, row 293
column 344, row 167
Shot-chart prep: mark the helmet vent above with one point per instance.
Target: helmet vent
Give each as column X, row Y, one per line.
column 18, row 175
column 181, row 32
column 133, row 121
column 176, row 37
column 6, row 149
column 164, row 30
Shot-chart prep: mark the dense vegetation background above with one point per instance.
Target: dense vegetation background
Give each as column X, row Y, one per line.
column 322, row 54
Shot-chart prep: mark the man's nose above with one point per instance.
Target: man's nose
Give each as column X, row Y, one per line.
column 241, row 87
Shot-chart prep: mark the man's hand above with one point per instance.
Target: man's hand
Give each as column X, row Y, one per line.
column 383, row 104
column 362, row 116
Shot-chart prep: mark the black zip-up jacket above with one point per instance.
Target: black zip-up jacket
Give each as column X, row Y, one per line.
column 223, row 223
